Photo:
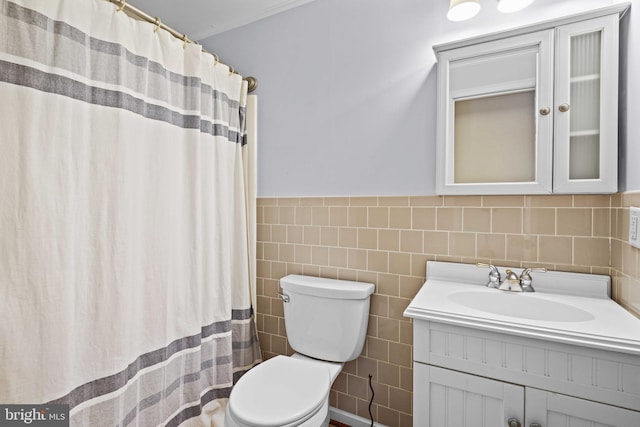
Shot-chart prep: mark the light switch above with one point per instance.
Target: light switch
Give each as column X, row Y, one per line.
column 634, row 223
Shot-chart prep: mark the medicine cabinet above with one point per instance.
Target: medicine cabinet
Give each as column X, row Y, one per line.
column 532, row 110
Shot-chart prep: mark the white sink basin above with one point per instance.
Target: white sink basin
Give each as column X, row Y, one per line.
column 522, row 305
column 571, row 308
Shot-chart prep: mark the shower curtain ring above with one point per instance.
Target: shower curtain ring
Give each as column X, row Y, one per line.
column 231, row 70
column 185, row 39
column 216, row 59
column 123, row 4
column 157, row 26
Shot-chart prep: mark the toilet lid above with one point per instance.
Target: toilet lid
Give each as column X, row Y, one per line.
column 280, row 391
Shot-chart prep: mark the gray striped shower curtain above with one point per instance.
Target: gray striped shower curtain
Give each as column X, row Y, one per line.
column 127, row 229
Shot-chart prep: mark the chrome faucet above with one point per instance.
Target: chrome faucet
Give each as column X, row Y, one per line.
column 511, row 283
column 526, row 279
column 494, row 275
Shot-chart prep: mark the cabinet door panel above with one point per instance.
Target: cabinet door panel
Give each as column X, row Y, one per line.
column 586, row 110
column 557, row 410
column 491, row 137
column 445, row 398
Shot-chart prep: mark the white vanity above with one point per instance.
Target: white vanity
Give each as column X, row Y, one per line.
column 564, row 355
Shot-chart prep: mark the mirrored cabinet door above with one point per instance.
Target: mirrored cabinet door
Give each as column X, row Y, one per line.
column 586, row 110
column 492, row 134
column 492, row 138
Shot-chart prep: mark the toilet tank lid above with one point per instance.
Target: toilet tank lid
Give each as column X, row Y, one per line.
column 326, row 288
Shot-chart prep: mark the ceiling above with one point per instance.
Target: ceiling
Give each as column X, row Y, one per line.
column 200, row 19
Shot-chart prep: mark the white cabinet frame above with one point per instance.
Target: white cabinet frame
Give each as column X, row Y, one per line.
column 552, row 140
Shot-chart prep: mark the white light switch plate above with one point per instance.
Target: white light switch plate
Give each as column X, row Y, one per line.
column 634, row 227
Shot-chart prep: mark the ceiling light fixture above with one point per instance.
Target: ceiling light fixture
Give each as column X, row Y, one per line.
column 461, row 10
column 509, row 6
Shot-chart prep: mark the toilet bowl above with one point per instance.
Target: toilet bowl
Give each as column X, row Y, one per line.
column 326, row 322
column 283, row 391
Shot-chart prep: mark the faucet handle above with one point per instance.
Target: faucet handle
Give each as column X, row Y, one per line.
column 526, row 279
column 494, row 274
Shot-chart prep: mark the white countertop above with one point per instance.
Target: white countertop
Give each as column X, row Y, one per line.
column 570, row 308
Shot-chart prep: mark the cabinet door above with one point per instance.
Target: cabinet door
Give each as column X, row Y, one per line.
column 586, row 107
column 445, row 398
column 491, row 137
column 557, row 410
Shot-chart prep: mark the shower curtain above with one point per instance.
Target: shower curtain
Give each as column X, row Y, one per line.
column 127, row 230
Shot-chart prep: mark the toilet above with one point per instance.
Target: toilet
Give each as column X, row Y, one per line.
column 326, row 322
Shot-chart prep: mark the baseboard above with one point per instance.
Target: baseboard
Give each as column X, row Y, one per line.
column 350, row 419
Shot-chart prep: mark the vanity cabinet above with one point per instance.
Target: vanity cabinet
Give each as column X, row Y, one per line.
column 565, row 355
column 531, row 111
column 455, row 399
column 467, row 377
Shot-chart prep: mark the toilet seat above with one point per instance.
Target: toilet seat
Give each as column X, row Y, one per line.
column 282, row 391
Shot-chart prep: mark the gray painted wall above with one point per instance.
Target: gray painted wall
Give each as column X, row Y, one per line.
column 347, row 91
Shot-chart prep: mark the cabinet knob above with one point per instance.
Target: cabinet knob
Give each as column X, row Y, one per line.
column 563, row 108
column 513, row 422
column 545, row 110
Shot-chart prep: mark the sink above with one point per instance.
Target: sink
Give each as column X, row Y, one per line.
column 523, row 305
column 568, row 308
column 565, row 347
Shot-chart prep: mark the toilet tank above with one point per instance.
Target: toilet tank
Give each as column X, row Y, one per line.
column 326, row 318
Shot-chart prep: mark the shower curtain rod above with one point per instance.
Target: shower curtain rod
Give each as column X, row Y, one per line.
column 123, row 5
